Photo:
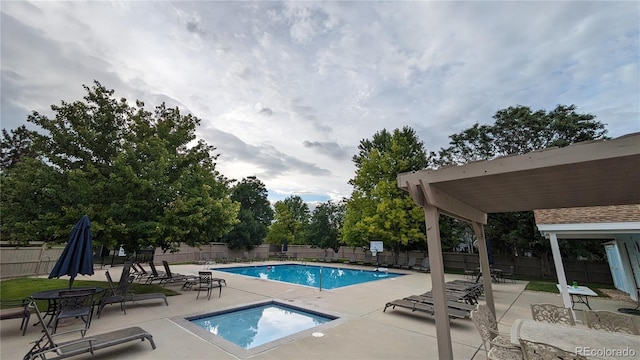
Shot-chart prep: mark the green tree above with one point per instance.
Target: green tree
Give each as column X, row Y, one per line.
column 16, row 145
column 283, row 227
column 290, row 221
column 378, row 209
column 518, row 130
column 141, row 176
column 325, row 225
column 299, row 210
column 255, row 214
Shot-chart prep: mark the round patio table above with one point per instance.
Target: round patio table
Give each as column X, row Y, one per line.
column 52, row 299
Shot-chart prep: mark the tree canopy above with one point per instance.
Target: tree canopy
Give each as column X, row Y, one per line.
column 326, row 224
column 378, row 209
column 519, row 130
column 141, row 176
column 290, row 222
column 254, row 217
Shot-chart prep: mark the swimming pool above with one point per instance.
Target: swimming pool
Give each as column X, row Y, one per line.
column 311, row 275
column 254, row 326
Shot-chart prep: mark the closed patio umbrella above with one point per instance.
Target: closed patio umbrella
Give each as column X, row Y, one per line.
column 77, row 257
column 285, row 245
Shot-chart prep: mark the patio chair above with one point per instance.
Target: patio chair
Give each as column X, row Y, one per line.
column 459, row 307
column 497, row 346
column 47, row 347
column 610, row 321
column 333, row 258
column 352, row 259
column 382, row 260
column 410, row 264
column 424, row 308
column 139, row 272
column 367, row 259
column 398, row 262
column 207, row 283
column 115, row 294
column 16, row 309
column 470, row 274
column 424, row 266
column 75, row 303
column 508, row 275
column 540, row 351
column 133, row 297
column 155, row 275
column 552, row 314
column 172, row 277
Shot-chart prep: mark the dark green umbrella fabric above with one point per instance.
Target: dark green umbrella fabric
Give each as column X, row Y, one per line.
column 77, row 257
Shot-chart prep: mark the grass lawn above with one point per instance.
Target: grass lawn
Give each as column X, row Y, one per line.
column 550, row 286
column 22, row 288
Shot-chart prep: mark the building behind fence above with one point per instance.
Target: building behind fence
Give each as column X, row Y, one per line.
column 27, row 261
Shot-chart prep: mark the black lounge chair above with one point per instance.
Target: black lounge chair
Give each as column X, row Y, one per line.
column 171, row 277
column 115, row 294
column 47, row 347
column 424, row 266
column 423, row 307
column 352, row 260
column 16, row 309
column 155, row 275
column 410, row 265
column 367, row 259
column 450, row 304
column 121, row 294
column 140, row 273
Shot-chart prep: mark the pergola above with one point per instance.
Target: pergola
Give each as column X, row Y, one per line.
column 593, row 173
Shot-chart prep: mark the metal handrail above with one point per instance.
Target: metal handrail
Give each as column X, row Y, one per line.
column 40, row 262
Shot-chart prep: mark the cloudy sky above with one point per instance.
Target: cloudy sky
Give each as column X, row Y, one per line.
column 287, row 90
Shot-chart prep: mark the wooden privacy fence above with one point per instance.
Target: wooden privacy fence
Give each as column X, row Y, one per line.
column 27, row 261
column 20, row 262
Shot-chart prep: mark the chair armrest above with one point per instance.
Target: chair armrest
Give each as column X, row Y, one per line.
column 505, row 345
column 67, row 332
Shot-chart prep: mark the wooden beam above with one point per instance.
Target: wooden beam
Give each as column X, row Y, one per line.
column 416, row 194
column 451, row 205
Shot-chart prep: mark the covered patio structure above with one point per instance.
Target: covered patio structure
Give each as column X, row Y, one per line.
column 597, row 173
column 618, row 227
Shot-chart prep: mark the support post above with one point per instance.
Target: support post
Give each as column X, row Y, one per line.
column 443, row 330
column 562, row 278
column 478, row 229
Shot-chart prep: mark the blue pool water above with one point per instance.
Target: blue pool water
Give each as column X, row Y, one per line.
column 309, row 275
column 258, row 325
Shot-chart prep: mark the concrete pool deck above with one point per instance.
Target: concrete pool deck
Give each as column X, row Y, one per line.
column 363, row 332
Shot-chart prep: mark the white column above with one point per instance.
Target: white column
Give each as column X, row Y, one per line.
column 443, row 330
column 562, row 278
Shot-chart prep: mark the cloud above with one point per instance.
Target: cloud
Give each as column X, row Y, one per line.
column 268, row 161
column 331, row 149
column 266, row 112
column 287, row 90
